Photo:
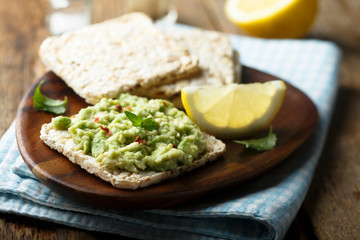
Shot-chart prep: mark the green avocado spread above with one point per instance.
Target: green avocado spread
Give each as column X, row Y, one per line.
column 106, row 132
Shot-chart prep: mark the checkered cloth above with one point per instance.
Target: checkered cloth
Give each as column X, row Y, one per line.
column 260, row 209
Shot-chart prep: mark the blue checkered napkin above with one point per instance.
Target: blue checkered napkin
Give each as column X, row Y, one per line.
column 260, row 209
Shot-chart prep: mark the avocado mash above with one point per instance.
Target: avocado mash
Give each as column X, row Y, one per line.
column 106, row 132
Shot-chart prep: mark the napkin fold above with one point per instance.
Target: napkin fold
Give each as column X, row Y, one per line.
column 259, row 209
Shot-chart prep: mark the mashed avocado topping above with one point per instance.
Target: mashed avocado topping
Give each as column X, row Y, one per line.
column 107, row 133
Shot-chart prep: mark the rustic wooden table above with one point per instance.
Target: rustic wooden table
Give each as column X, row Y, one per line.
column 332, row 207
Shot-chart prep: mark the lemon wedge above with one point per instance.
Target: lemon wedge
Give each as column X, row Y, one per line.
column 272, row 18
column 236, row 110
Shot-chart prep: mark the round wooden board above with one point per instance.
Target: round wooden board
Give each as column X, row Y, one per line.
column 293, row 124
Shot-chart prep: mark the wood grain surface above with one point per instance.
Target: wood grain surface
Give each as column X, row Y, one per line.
column 332, row 207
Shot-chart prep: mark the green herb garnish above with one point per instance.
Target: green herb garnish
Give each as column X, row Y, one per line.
column 148, row 123
column 260, row 144
column 46, row 104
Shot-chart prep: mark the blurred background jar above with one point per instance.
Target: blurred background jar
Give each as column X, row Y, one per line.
column 158, row 10
column 65, row 15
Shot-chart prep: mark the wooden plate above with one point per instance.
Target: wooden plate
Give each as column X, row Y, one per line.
column 293, row 124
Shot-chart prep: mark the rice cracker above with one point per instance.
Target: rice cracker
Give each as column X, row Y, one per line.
column 115, row 56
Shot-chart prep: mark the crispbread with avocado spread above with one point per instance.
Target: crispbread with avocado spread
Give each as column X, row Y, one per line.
column 61, row 141
column 115, row 56
column 132, row 142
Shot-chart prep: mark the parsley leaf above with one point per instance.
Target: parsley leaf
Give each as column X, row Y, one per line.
column 148, row 123
column 261, row 144
column 135, row 119
column 46, row 104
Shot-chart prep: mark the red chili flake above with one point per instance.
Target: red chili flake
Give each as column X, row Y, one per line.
column 174, row 146
column 119, row 107
column 108, row 132
column 96, row 119
column 127, row 108
column 137, row 139
column 165, row 104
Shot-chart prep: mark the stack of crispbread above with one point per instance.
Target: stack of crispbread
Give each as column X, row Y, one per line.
column 130, row 54
column 218, row 63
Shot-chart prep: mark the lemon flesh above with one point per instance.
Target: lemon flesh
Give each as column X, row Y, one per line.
column 236, row 110
column 272, row 18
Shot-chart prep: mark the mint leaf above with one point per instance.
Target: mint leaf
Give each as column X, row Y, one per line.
column 261, row 144
column 148, row 123
column 46, row 104
column 135, row 119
